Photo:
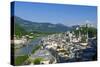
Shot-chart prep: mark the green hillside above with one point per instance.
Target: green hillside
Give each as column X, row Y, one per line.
column 18, row 30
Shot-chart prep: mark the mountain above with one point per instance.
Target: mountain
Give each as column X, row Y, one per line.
column 19, row 30
column 40, row 27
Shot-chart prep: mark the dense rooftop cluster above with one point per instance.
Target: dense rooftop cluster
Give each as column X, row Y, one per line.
column 65, row 45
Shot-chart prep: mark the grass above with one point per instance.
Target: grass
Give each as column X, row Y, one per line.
column 37, row 60
column 20, row 59
column 35, row 48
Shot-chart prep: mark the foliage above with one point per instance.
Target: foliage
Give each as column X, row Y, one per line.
column 37, row 60
column 18, row 30
column 20, row 59
column 35, row 48
column 92, row 32
column 84, row 39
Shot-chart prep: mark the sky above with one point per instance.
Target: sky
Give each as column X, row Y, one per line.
column 56, row 13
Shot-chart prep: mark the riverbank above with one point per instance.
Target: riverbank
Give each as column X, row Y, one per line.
column 22, row 54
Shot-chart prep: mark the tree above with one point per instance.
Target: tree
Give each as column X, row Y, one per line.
column 37, row 60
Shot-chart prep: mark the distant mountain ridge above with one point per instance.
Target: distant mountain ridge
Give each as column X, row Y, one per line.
column 40, row 27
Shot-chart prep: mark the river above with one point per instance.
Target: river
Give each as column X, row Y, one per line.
column 28, row 48
column 87, row 54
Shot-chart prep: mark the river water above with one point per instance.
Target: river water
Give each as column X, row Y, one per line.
column 87, row 54
column 28, row 48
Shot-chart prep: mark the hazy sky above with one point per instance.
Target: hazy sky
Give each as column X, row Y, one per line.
column 56, row 13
